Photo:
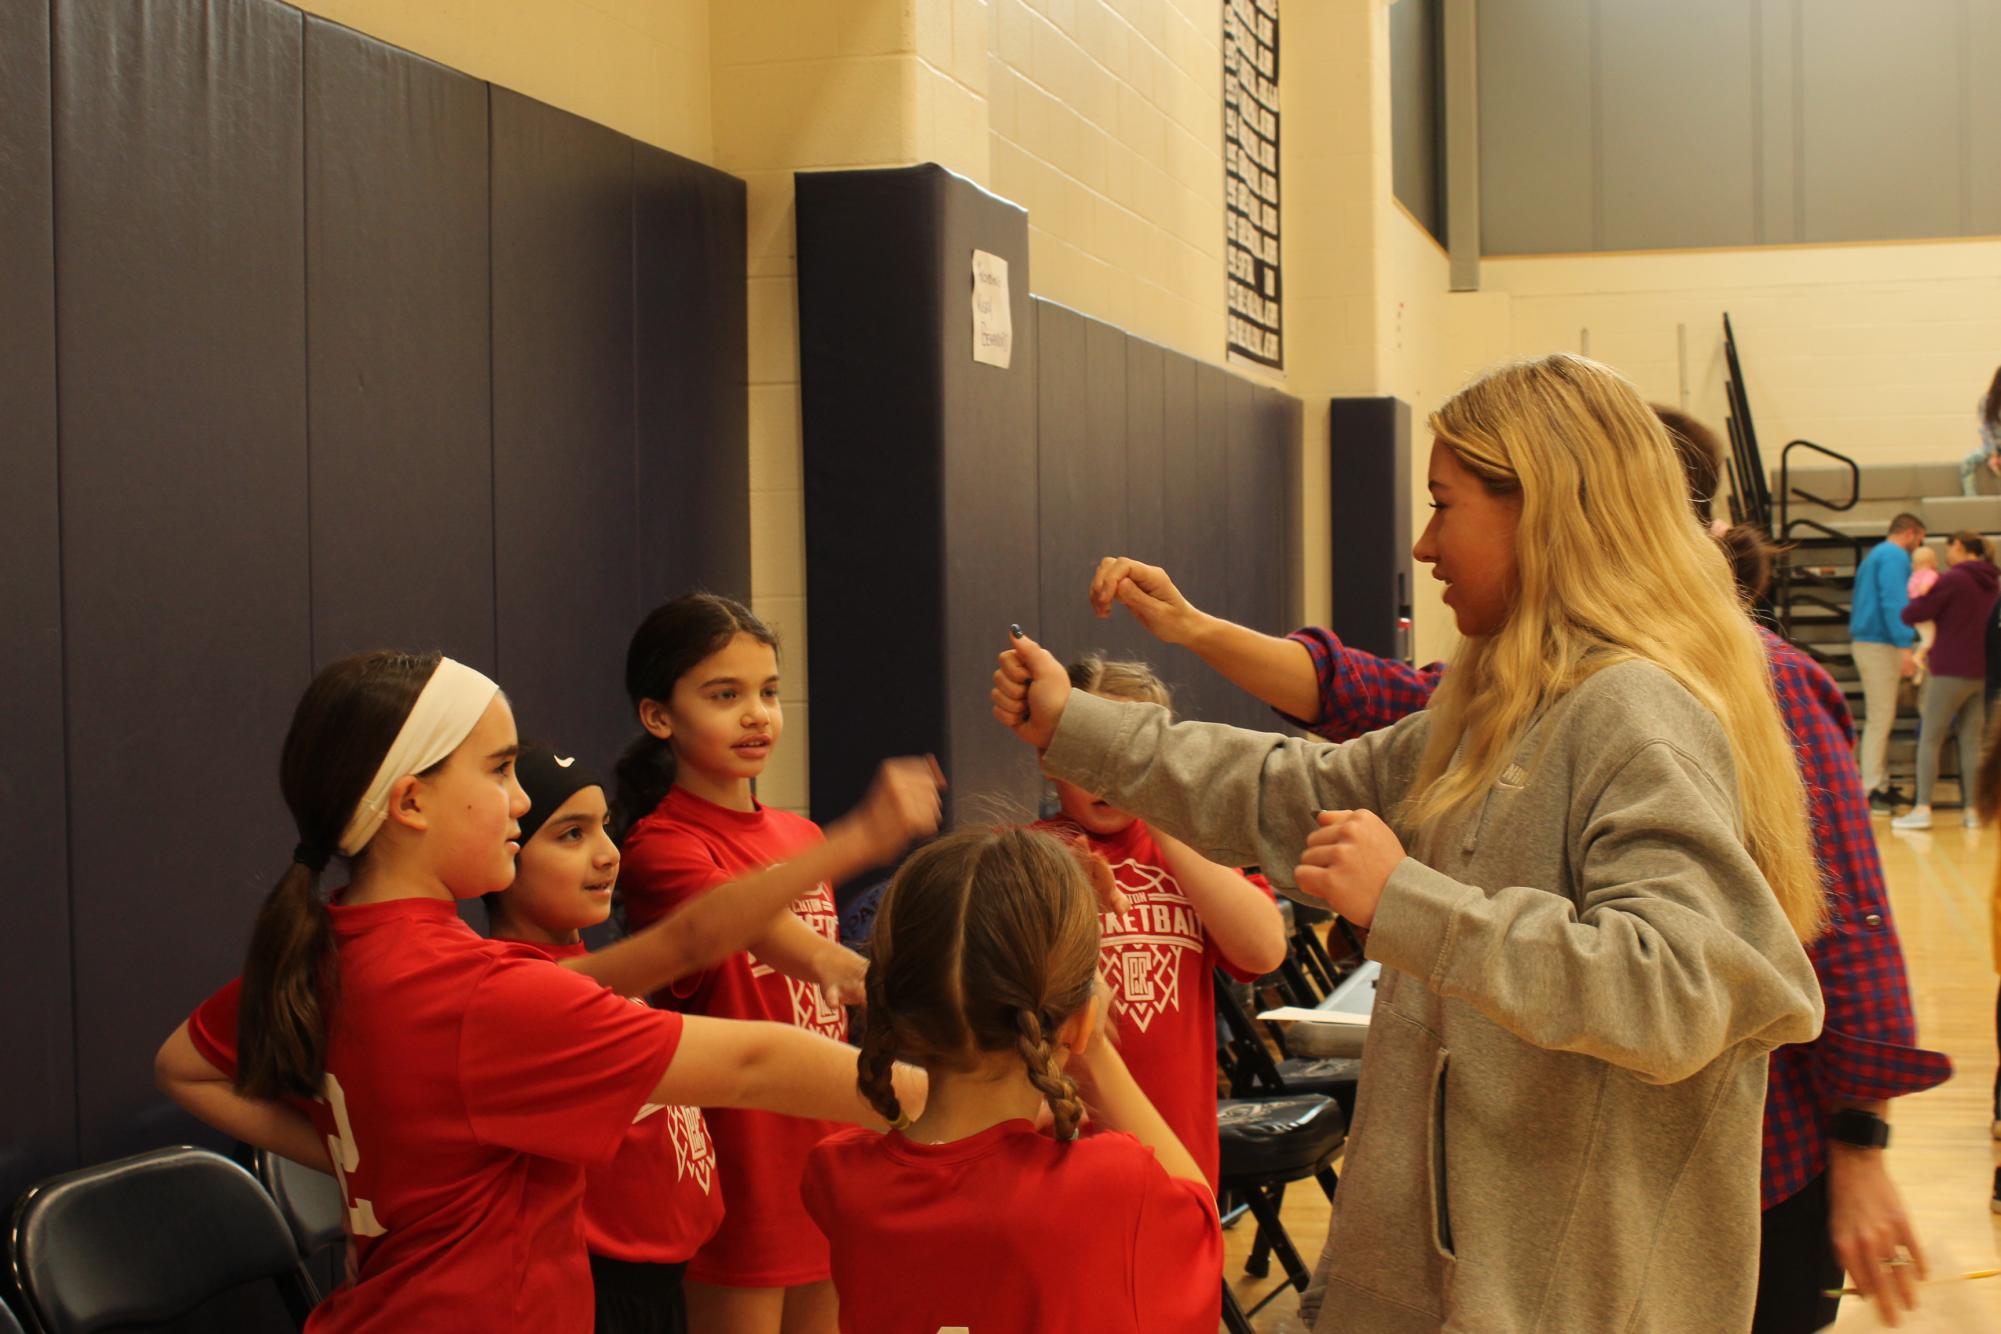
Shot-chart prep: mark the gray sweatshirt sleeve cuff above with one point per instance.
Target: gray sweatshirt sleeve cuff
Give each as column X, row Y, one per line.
column 1090, row 732
column 1415, row 921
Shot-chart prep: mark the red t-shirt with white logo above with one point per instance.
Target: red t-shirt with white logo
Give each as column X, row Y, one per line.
column 1010, row 1230
column 685, row 848
column 1160, row 962
column 468, row 1086
column 658, row 1200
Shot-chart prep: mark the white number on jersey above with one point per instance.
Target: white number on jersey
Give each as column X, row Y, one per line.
column 346, row 1155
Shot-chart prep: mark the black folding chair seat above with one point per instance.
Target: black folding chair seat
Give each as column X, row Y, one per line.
column 1334, row 1077
column 310, row 1202
column 1265, row 1144
column 1283, row 1139
column 147, row 1239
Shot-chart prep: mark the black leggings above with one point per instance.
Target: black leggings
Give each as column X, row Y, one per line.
column 638, row 1298
column 1796, row 1265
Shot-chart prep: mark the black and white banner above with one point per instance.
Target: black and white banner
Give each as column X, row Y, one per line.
column 1250, row 178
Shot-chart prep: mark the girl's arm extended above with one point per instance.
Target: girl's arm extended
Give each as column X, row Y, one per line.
column 1116, row 1101
column 185, row 1075
column 1240, row 917
column 776, row 1068
column 750, row 913
column 1278, row 671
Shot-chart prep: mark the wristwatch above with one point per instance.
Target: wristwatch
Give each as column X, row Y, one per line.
column 1864, row 1130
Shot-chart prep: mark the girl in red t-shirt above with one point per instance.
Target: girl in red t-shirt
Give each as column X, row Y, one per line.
column 702, row 672
column 456, row 1087
column 1184, row 916
column 985, row 959
column 652, row 1206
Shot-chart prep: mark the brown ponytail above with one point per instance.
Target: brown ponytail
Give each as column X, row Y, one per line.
column 345, row 723
column 985, row 942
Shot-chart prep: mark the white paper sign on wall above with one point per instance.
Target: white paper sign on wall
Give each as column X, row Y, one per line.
column 993, row 325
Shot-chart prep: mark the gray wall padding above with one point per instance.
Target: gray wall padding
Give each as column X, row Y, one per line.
column 300, row 359
column 946, row 499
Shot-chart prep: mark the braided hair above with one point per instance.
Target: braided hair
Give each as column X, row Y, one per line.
column 986, row 941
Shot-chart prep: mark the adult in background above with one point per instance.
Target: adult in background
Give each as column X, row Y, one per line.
column 1563, row 1087
column 1881, row 643
column 1829, row 1203
column 1988, row 455
column 1955, row 693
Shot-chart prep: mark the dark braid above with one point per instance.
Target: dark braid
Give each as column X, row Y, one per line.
column 985, row 942
column 1057, row 1088
column 878, row 1054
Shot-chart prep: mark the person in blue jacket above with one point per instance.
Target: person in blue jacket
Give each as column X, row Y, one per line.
column 1882, row 648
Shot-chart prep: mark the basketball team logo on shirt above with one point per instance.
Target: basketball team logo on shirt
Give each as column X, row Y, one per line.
column 694, row 1155
column 1143, row 949
column 811, row 1010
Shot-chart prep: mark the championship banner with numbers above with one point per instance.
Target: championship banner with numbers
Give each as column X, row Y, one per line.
column 1250, row 178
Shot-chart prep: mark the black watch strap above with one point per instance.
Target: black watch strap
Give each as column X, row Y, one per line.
column 1864, row 1130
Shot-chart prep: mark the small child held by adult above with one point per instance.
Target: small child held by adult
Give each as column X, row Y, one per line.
column 985, row 972
column 1924, row 574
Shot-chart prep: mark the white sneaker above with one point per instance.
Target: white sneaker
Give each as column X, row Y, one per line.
column 1918, row 817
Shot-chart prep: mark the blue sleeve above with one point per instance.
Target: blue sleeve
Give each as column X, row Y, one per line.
column 1862, row 603
column 1890, row 595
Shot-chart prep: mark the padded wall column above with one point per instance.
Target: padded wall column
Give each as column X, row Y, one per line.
column 1370, row 511
column 565, row 507
column 920, row 469
column 397, row 351
column 38, row 1118
column 691, row 352
column 180, row 245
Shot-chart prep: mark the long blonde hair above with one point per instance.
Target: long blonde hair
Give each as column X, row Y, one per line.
column 1611, row 566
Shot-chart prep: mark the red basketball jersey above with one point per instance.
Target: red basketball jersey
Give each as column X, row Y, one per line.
column 1011, row 1230
column 468, row 1085
column 659, row 1199
column 687, row 847
column 1160, row 963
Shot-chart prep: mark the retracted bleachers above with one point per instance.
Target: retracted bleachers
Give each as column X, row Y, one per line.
column 311, row 345
column 947, row 498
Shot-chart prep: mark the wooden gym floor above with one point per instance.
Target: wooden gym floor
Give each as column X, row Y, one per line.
column 1943, row 1157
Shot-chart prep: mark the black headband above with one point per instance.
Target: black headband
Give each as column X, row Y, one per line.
column 549, row 780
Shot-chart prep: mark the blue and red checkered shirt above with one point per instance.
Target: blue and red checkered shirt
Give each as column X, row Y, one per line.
column 1867, row 1049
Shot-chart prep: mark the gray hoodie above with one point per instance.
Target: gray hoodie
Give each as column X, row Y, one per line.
column 1560, row 1118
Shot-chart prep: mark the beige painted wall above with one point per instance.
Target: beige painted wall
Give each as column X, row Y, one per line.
column 1875, row 350
column 639, row 66
column 804, row 85
column 1107, row 125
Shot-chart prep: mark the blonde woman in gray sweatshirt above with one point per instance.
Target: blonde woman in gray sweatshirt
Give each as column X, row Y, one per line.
column 1585, row 870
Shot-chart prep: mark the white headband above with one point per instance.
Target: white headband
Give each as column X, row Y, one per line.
column 443, row 716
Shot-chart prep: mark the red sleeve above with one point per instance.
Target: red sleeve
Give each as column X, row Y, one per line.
column 553, row 1064
column 814, row 1189
column 658, row 873
column 1222, row 961
column 1177, row 1254
column 212, row 1027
